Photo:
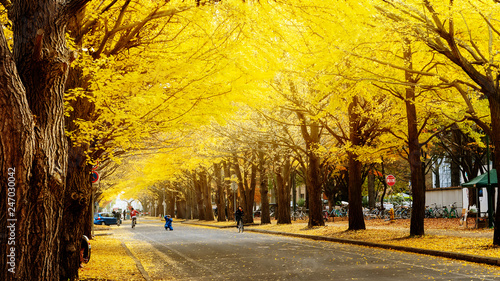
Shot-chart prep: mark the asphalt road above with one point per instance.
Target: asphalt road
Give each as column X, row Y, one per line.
column 202, row 253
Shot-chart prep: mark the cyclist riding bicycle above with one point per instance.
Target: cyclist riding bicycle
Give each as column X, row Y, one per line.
column 133, row 214
column 239, row 215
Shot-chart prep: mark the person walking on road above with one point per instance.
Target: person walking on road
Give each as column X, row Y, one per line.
column 239, row 215
column 168, row 223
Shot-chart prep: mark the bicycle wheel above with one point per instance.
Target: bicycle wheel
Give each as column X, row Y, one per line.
column 240, row 226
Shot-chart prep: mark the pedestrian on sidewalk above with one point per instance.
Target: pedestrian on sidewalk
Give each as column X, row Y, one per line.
column 168, row 223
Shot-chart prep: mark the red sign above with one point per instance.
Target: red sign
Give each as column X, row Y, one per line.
column 390, row 180
column 94, row 177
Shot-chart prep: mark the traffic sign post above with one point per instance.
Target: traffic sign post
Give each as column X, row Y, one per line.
column 390, row 180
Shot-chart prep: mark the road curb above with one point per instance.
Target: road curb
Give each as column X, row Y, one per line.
column 444, row 254
column 138, row 263
column 450, row 255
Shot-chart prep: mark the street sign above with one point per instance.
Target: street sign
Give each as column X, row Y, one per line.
column 94, row 177
column 234, row 186
column 390, row 180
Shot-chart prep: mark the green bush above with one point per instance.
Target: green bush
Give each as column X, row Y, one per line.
column 301, row 202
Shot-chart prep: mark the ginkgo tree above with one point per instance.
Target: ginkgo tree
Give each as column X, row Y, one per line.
column 465, row 36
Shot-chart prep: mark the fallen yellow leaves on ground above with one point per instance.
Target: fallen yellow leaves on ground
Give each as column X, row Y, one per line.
column 397, row 234
column 109, row 261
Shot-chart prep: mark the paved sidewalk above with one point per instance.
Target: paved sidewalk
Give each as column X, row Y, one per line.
column 451, row 255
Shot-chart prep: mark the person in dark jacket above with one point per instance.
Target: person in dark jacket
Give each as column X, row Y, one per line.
column 238, row 215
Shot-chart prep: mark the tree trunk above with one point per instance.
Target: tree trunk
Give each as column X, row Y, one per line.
column 313, row 184
column 417, row 174
column 78, row 209
column 356, row 218
column 181, row 208
column 16, row 157
column 221, row 210
column 265, row 218
column 283, row 188
column 170, row 203
column 372, row 193
column 199, row 197
column 207, row 196
column 230, row 194
column 76, row 212
column 494, row 100
column 247, row 190
column 35, row 164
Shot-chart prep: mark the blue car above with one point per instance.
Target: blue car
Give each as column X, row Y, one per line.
column 106, row 218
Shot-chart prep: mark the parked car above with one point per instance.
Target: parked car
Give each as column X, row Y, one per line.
column 105, row 218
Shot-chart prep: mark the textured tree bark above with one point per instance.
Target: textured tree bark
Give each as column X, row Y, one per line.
column 78, row 209
column 42, row 62
column 76, row 214
column 16, row 157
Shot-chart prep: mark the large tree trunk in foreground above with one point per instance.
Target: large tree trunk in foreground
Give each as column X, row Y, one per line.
column 33, row 140
column 16, row 156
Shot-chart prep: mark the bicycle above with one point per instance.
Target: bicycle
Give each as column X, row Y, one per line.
column 453, row 210
column 134, row 222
